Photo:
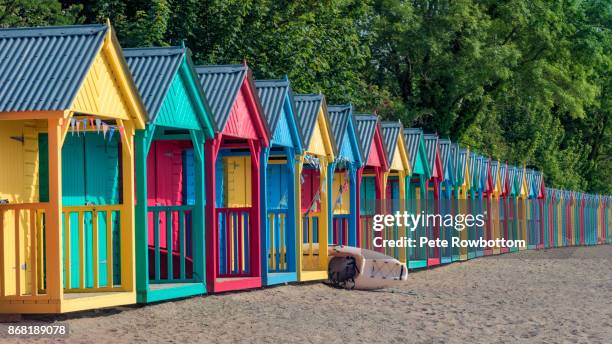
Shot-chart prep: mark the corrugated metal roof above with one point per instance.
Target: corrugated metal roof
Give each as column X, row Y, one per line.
column 454, row 155
column 153, row 70
column 539, row 180
column 494, row 171
column 412, row 137
column 307, row 108
column 484, row 170
column 272, row 95
column 431, row 145
column 463, row 161
column 221, row 84
column 503, row 173
column 339, row 117
column 365, row 126
column 445, row 149
column 390, row 131
column 42, row 68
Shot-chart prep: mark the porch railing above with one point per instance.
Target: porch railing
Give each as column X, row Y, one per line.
column 170, row 244
column 234, row 241
column 277, row 239
column 22, row 251
column 92, row 246
column 310, row 241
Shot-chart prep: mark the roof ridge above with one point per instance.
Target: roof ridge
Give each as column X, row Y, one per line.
column 42, row 31
column 153, row 51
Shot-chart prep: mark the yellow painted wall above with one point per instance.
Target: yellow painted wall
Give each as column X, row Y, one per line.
column 340, row 178
column 237, row 176
column 18, row 184
column 100, row 93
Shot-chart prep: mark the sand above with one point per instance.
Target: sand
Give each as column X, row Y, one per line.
column 552, row 296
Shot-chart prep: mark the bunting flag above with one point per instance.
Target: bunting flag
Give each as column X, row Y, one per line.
column 112, row 131
column 121, row 130
column 72, row 125
column 78, row 127
column 98, row 124
column 91, row 122
column 104, row 129
column 84, row 124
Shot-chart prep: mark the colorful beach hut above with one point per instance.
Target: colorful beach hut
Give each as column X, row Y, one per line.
column 522, row 196
column 342, row 176
column 495, row 195
column 369, row 175
column 278, row 183
column 394, row 182
column 475, row 203
column 416, row 199
column 319, row 151
column 233, row 178
column 433, row 194
column 486, row 183
column 504, row 204
column 447, row 184
column 68, row 112
column 169, row 156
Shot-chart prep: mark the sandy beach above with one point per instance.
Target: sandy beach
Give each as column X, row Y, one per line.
column 552, row 296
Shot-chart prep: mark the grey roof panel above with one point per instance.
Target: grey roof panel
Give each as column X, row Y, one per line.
column 272, row 94
column 445, row 150
column 390, row 133
column 221, row 84
column 153, row 70
column 307, row 109
column 431, row 145
column 42, row 68
column 412, row 137
column 366, row 128
column 339, row 117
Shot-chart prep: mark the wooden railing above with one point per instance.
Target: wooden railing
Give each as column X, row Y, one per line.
column 277, row 239
column 102, row 224
column 165, row 264
column 310, row 241
column 340, row 229
column 22, row 270
column 234, row 242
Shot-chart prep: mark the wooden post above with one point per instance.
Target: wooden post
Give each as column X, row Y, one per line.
column 211, row 150
column 265, row 243
column 53, row 235
column 127, row 212
column 142, row 228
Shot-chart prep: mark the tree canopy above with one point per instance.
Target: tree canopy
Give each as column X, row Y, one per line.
column 523, row 81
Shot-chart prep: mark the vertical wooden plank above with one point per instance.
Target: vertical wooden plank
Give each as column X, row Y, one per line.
column 170, row 273
column 3, row 249
column 109, row 249
column 272, row 250
column 17, row 254
column 94, row 230
column 67, row 253
column 53, row 217
column 41, row 252
column 81, row 251
column 283, row 244
column 182, row 229
column 240, row 246
column 127, row 210
column 33, row 253
column 157, row 256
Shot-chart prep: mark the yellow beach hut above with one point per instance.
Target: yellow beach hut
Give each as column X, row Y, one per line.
column 68, row 111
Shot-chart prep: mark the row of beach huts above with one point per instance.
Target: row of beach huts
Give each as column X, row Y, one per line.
column 132, row 176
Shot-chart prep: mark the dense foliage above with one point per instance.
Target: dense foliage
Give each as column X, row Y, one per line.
column 527, row 81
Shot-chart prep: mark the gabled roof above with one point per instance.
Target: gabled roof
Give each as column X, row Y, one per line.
column 463, row 164
column 308, row 107
column 342, row 123
column 390, row 132
column 484, row 172
column 431, row 146
column 154, row 70
column 494, row 164
column 365, row 127
column 339, row 117
column 445, row 146
column 221, row 85
column 274, row 95
column 413, row 137
column 43, row 67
